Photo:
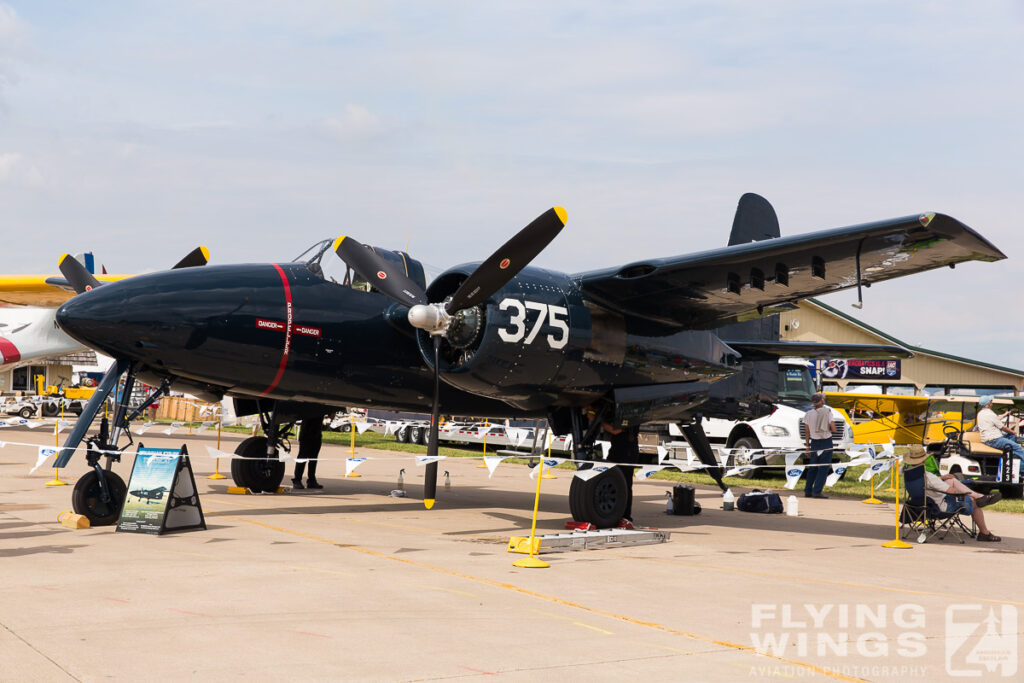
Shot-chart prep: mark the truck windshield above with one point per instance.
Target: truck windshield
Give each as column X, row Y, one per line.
column 795, row 384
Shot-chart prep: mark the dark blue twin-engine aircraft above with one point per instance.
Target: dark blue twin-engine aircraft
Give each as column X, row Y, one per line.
column 668, row 339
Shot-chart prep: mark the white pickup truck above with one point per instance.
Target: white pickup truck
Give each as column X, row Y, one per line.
column 766, row 440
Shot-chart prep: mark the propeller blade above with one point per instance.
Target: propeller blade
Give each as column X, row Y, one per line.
column 80, row 279
column 107, row 384
column 199, row 256
column 378, row 272
column 430, row 474
column 508, row 260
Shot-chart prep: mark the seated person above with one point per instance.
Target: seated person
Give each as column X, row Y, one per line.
column 940, row 489
column 993, row 432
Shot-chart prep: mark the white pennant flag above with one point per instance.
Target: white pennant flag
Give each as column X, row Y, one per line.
column 141, row 429
column 647, row 470
column 548, row 462
column 875, row 468
column 214, row 453
column 361, row 427
column 203, row 426
column 662, row 454
column 2, row 444
column 44, row 453
column 591, row 472
column 173, row 427
column 352, row 463
column 605, row 447
column 425, row 459
column 492, row 462
column 683, row 465
column 838, row 469
column 793, row 471
column 737, row 471
column 389, row 427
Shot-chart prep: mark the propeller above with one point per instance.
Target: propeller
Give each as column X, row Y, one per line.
column 80, row 279
column 199, row 256
column 437, row 317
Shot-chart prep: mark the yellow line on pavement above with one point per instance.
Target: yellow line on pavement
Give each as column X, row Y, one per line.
column 549, row 598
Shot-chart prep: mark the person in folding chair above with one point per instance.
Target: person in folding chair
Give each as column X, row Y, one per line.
column 939, row 500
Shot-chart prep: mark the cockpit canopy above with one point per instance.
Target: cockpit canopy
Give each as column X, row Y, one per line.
column 321, row 260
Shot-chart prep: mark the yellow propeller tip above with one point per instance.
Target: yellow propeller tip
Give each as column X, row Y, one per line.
column 61, row 259
column 206, row 253
column 562, row 216
column 337, row 242
column 428, row 503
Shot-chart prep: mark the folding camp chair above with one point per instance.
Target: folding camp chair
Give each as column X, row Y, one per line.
column 922, row 516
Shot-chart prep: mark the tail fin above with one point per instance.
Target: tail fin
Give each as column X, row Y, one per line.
column 755, row 220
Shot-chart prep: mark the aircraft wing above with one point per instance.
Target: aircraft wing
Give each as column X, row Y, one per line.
column 712, row 288
column 46, row 291
column 879, row 403
column 763, row 350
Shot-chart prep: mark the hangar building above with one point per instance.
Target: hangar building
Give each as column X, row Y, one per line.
column 928, row 372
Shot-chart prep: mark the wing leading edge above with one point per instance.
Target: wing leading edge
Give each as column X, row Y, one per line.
column 711, row 288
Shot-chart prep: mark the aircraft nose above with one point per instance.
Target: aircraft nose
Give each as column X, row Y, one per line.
column 91, row 316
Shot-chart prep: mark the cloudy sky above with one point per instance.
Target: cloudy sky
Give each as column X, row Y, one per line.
column 139, row 130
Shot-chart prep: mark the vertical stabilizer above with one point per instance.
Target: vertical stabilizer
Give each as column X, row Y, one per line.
column 755, row 220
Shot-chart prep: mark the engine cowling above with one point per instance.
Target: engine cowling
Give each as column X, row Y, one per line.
column 518, row 345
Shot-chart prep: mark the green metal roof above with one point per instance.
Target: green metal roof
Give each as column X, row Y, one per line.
column 915, row 349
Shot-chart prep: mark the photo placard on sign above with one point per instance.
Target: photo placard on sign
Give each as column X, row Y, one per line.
column 162, row 494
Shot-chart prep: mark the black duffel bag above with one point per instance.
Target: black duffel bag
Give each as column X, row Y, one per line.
column 760, row 501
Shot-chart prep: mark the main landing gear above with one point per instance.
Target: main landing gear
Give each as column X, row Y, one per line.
column 258, row 467
column 602, row 499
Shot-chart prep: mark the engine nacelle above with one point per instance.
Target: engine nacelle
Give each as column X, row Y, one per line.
column 518, row 344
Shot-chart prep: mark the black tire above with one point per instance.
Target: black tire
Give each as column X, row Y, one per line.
column 749, row 443
column 575, row 509
column 345, row 428
column 424, row 436
column 86, row 498
column 49, row 409
column 402, row 434
column 254, row 470
column 600, row 500
column 27, row 412
column 415, row 434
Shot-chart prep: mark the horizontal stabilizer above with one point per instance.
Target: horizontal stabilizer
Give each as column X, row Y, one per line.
column 762, row 350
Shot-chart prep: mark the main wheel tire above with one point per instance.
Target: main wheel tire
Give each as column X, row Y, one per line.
column 601, row 500
column 86, row 498
column 747, row 443
column 26, row 413
column 575, row 506
column 253, row 469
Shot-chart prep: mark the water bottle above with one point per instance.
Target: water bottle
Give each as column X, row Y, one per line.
column 668, row 503
column 792, row 506
column 728, row 500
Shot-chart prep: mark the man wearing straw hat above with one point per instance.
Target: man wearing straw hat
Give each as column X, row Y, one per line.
column 941, row 489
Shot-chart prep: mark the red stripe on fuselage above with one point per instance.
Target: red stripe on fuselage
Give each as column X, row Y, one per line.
column 287, row 330
column 9, row 353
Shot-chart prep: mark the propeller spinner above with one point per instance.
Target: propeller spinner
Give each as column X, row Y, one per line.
column 437, row 317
